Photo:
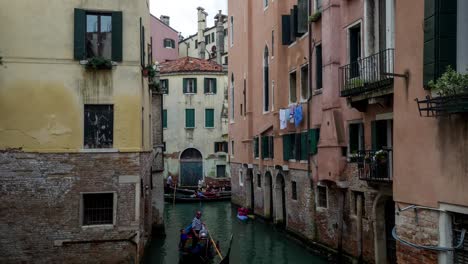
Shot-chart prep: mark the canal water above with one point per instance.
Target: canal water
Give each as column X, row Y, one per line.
column 254, row 241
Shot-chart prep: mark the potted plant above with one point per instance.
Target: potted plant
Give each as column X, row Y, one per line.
column 381, row 156
column 99, row 63
column 450, row 83
column 315, row 17
column 149, row 71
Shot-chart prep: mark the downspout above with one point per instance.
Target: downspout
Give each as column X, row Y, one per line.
column 309, row 105
column 359, row 226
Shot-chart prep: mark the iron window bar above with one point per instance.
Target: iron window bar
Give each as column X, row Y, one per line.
column 375, row 165
column 443, row 105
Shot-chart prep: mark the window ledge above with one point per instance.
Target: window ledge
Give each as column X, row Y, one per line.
column 103, row 150
column 98, row 227
column 191, row 128
column 210, row 127
column 317, row 92
column 85, row 62
column 210, row 93
column 303, row 161
column 189, row 93
column 292, row 44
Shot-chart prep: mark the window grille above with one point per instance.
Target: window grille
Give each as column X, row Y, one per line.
column 98, row 209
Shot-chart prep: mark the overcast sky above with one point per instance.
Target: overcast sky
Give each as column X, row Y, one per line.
column 183, row 13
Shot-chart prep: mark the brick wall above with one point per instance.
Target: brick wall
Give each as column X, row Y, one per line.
column 40, row 206
column 238, row 193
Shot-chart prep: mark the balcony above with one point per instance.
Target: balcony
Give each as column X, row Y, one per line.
column 375, row 166
column 369, row 77
column 443, row 105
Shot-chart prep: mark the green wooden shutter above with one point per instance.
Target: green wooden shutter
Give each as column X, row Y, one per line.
column 318, row 67
column 286, row 29
column 265, row 147
column 374, row 134
column 117, row 36
column 205, row 86
column 303, row 146
column 215, row 84
column 184, row 85
column 302, row 16
column 79, row 46
column 256, row 150
column 164, row 118
column 286, row 148
column 195, row 85
column 209, row 117
column 313, row 141
column 294, row 24
column 440, row 38
column 189, row 118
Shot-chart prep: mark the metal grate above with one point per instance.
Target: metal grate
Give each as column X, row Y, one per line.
column 98, row 209
column 375, row 165
column 443, row 105
column 460, row 222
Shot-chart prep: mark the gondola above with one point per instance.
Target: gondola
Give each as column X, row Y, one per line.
column 186, row 191
column 180, row 198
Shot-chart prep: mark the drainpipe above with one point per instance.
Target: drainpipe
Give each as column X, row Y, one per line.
column 359, row 225
column 309, row 105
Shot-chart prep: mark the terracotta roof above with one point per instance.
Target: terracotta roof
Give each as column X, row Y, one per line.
column 190, row 64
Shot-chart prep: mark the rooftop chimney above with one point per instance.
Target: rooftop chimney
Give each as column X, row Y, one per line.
column 165, row 19
column 201, row 30
column 219, row 36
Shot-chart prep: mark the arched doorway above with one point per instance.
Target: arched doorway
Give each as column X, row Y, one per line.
column 280, row 200
column 191, row 167
column 250, row 198
column 268, row 196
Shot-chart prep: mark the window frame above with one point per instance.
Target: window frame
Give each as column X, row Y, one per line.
column 194, row 118
column 85, row 127
column 294, row 190
column 188, row 81
column 164, row 117
column 211, row 82
column 241, row 178
column 325, row 189
column 266, row 80
column 217, row 167
column 291, row 73
column 171, row 42
column 259, row 180
column 114, row 210
column 98, row 14
column 208, row 110
column 307, row 95
column 164, row 83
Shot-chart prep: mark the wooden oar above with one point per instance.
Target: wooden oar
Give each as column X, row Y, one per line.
column 214, row 244
column 175, row 188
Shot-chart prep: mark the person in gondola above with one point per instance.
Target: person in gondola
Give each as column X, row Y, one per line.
column 196, row 227
column 183, row 239
column 169, row 182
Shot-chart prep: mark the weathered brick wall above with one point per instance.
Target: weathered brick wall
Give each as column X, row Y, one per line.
column 237, row 192
column 258, row 191
column 422, row 232
column 40, row 205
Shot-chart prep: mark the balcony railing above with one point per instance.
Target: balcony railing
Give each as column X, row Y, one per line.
column 443, row 105
column 375, row 165
column 367, row 74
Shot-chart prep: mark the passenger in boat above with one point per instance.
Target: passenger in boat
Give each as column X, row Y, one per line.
column 183, row 238
column 196, row 227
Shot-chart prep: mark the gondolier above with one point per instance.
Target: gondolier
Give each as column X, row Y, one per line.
column 197, row 225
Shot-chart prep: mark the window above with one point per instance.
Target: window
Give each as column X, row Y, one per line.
column 210, row 85
column 322, row 197
column 207, row 39
column 196, row 44
column 318, row 67
column 356, row 140
column 220, row 171
column 256, row 147
column 354, row 50
column 225, row 32
column 267, row 147
column 241, row 178
column 165, row 118
column 164, row 146
column 190, row 85
column 272, row 43
column 98, row 35
column 164, row 86
column 209, row 118
column 259, row 180
column 314, row 137
column 232, row 31
column 169, row 43
column 266, row 81
column 318, row 5
column 189, row 118
column 98, row 209
column 265, row 3
column 358, row 197
column 232, row 148
column 232, row 97
column 244, row 94
column 221, row 147
column 292, row 87
column 293, row 190
column 226, row 60
column 305, row 82
column 98, row 126
column 212, row 37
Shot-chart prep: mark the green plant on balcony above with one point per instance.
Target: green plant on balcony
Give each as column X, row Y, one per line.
column 99, row 63
column 149, row 71
column 381, row 156
column 450, row 83
column 315, row 17
column 354, row 83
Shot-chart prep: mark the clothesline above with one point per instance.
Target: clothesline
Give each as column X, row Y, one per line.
column 292, row 114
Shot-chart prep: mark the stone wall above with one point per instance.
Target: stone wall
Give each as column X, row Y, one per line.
column 40, row 205
column 238, row 192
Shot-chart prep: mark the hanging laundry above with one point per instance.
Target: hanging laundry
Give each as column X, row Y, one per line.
column 298, row 115
column 283, row 119
column 292, row 110
column 287, row 115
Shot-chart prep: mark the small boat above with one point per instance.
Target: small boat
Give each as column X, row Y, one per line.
column 170, row 190
column 242, row 217
column 190, row 198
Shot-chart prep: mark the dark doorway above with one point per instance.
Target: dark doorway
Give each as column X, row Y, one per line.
column 280, row 201
column 268, row 196
column 191, row 167
column 354, row 49
column 389, row 224
column 251, row 189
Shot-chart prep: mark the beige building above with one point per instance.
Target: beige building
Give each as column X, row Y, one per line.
column 75, row 131
column 207, row 43
column 195, row 120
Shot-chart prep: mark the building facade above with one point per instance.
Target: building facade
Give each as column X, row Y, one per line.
column 195, row 120
column 75, row 132
column 324, row 172
column 165, row 39
column 207, row 43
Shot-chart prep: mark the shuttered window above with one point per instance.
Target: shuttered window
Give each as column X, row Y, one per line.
column 318, row 67
column 303, row 148
column 440, row 38
column 209, row 118
column 189, row 118
column 97, row 35
column 267, row 147
column 189, row 85
column 286, row 29
column 302, row 16
column 210, row 85
column 164, row 86
column 314, row 136
column 256, row 147
column 293, row 25
column 164, row 118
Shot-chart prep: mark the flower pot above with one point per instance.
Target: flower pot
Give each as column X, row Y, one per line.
column 144, row 72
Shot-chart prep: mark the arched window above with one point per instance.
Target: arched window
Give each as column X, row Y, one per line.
column 232, row 97
column 266, row 81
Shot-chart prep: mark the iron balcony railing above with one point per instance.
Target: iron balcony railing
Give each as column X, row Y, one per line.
column 375, row 165
column 367, row 74
column 443, row 105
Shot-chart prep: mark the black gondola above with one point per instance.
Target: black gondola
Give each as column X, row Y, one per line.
column 180, row 198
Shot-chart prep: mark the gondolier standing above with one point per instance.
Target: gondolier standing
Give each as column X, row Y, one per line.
column 169, row 182
column 196, row 227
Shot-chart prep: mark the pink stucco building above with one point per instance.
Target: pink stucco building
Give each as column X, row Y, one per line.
column 165, row 39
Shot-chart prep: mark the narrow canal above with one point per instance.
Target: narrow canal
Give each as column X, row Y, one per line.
column 254, row 241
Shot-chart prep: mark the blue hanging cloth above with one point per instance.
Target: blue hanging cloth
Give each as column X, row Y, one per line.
column 298, row 115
